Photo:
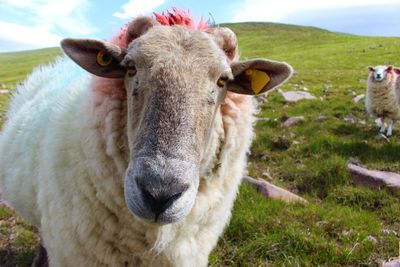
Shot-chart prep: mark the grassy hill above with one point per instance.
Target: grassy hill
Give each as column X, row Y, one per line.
column 343, row 224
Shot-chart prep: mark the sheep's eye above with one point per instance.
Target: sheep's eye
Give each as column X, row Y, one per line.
column 132, row 71
column 222, row 81
column 103, row 58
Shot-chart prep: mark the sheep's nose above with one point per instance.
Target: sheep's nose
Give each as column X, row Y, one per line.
column 160, row 200
column 159, row 204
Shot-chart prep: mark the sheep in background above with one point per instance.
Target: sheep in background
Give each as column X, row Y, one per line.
column 140, row 164
column 381, row 99
column 397, row 84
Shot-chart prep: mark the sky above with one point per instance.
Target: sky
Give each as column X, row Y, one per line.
column 32, row 24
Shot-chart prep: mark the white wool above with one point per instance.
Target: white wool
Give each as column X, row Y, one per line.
column 63, row 155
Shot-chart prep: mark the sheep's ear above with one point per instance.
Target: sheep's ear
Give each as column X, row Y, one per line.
column 138, row 27
column 226, row 39
column 257, row 76
column 370, row 68
column 397, row 70
column 97, row 57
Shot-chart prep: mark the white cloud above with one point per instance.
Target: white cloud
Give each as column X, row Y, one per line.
column 45, row 17
column 138, row 7
column 277, row 11
column 27, row 37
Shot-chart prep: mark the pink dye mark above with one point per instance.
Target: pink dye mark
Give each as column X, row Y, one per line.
column 120, row 38
column 174, row 17
column 181, row 17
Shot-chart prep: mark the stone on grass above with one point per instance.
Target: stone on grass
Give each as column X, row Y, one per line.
column 372, row 239
column 358, row 98
column 263, row 119
column 395, row 262
column 374, row 178
column 272, row 191
column 268, row 176
column 353, row 119
column 350, row 92
column 294, row 96
column 292, row 121
column 322, row 118
column 3, row 91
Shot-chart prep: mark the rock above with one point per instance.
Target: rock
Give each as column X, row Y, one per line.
column 350, row 92
column 268, row 176
column 372, row 239
column 261, row 99
column 374, row 178
column 322, row 118
column 3, row 91
column 353, row 119
column 389, row 232
column 263, row 119
column 272, row 191
column 358, row 98
column 292, row 121
column 294, row 96
column 395, row 262
column 347, row 232
column 326, row 89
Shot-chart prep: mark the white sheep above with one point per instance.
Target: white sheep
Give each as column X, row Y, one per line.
column 381, row 99
column 140, row 164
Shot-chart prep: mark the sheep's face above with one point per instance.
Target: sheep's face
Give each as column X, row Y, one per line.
column 175, row 81
column 379, row 73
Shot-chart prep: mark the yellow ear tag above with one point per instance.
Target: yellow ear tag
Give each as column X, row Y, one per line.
column 103, row 58
column 258, row 78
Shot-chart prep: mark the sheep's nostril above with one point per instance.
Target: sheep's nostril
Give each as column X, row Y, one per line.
column 159, row 204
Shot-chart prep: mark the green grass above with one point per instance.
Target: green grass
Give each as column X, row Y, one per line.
column 15, row 66
column 343, row 225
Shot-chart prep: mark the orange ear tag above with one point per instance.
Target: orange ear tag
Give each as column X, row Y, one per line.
column 258, row 78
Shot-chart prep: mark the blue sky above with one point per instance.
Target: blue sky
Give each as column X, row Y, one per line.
column 31, row 24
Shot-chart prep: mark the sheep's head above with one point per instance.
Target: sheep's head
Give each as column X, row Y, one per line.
column 175, row 81
column 379, row 73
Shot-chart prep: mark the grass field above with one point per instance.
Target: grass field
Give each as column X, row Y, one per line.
column 343, row 225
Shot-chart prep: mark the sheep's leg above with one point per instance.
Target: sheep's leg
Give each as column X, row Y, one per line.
column 41, row 259
column 383, row 126
column 390, row 128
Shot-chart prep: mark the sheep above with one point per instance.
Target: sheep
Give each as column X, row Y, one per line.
column 138, row 164
column 381, row 100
